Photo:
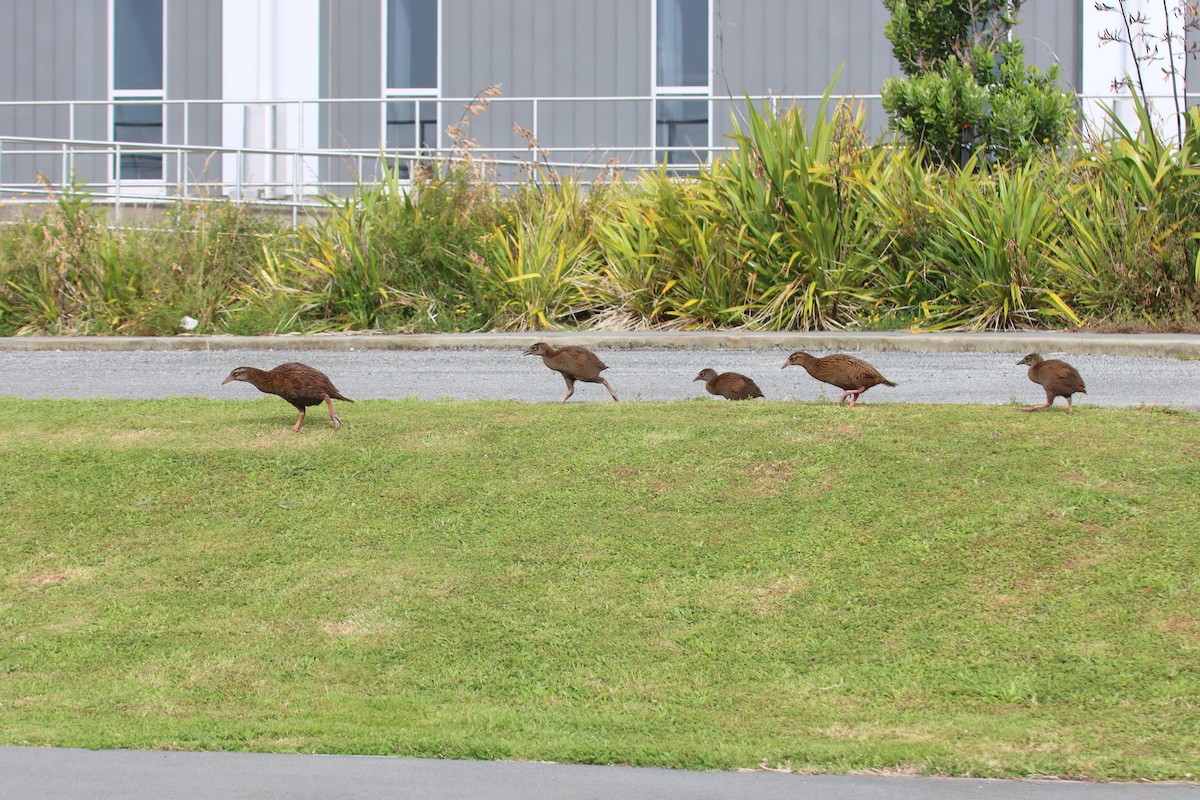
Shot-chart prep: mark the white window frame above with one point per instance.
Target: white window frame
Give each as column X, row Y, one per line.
column 118, row 97
column 677, row 92
column 390, row 94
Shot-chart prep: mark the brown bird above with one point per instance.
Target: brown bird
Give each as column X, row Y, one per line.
column 299, row 384
column 1058, row 378
column 852, row 375
column 574, row 364
column 729, row 385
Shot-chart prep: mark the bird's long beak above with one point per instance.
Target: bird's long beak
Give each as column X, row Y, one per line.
column 786, row 364
column 528, row 352
column 227, row 380
column 1021, row 363
column 697, row 378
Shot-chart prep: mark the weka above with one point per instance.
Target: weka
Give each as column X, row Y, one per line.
column 730, row 385
column 299, row 384
column 574, row 364
column 1058, row 378
column 852, row 375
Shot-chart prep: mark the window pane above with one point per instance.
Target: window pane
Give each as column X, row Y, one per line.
column 412, row 127
column 412, row 44
column 682, row 42
column 138, row 44
column 139, row 123
column 682, row 124
column 405, row 118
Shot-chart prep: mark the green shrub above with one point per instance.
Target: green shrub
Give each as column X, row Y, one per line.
column 808, row 236
column 534, row 264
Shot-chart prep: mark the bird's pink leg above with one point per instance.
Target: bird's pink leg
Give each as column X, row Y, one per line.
column 842, row 399
column 610, row 389
column 570, row 389
column 299, row 422
column 1049, row 401
column 337, row 423
column 854, row 393
column 1070, row 409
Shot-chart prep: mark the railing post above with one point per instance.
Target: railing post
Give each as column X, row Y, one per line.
column 117, row 203
column 269, row 133
column 300, row 144
column 295, row 188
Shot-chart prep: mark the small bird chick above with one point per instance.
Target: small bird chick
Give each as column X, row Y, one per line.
column 730, row 385
column 299, row 384
column 1058, row 378
column 574, row 364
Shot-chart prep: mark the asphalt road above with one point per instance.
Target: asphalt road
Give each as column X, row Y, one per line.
column 991, row 378
column 28, row 773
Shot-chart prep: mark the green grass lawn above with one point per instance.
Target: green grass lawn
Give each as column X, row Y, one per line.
column 925, row 589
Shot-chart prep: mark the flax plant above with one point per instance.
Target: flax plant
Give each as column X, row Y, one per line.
column 806, row 234
column 712, row 288
column 62, row 277
column 633, row 274
column 992, row 249
column 901, row 196
column 1131, row 248
column 668, row 257
column 533, row 265
column 269, row 301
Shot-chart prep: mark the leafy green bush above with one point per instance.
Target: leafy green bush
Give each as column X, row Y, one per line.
column 807, row 234
column 533, row 265
column 967, row 87
column 386, row 257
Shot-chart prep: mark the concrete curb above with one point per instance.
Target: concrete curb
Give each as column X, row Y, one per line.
column 1117, row 344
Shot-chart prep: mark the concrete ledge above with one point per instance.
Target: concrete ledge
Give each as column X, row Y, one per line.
column 1144, row 344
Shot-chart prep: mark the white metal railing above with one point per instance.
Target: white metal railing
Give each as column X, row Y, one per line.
column 307, row 171
column 293, row 171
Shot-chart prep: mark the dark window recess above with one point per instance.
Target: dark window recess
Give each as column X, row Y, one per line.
column 682, row 43
column 412, row 47
column 411, row 129
column 683, row 126
column 137, row 44
column 142, row 124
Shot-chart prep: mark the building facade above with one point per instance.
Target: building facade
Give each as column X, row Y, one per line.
column 289, row 97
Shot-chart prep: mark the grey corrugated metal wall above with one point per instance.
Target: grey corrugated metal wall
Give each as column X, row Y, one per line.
column 58, row 50
column 53, row 50
column 1052, row 31
column 350, row 67
column 193, row 55
column 782, row 47
column 568, row 48
column 582, row 47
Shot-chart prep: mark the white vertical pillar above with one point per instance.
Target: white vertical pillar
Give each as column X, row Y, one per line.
column 270, row 52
